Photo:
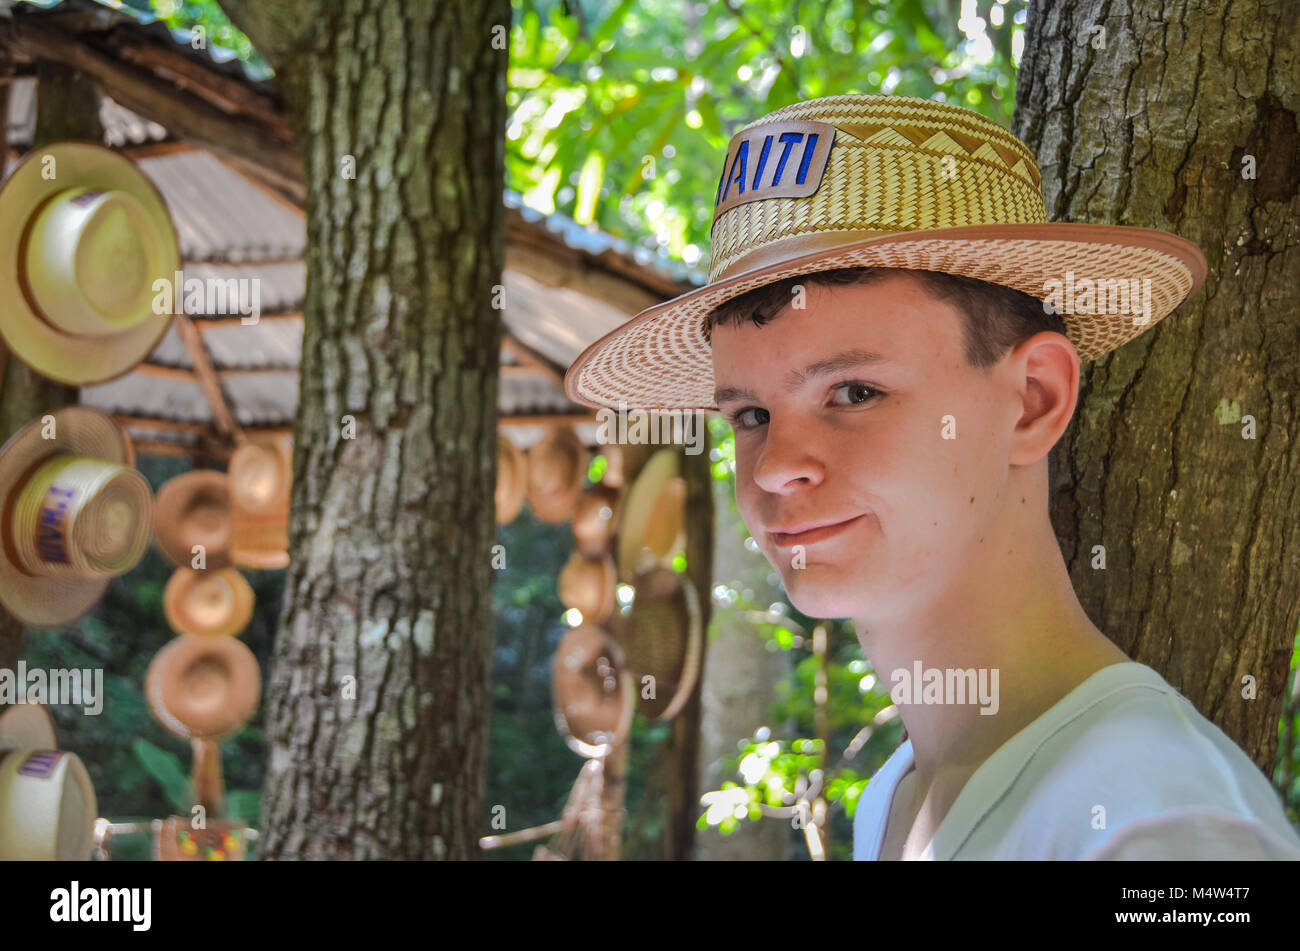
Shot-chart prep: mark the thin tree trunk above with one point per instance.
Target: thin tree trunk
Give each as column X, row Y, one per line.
column 683, row 756
column 67, row 107
column 392, row 529
column 1148, row 124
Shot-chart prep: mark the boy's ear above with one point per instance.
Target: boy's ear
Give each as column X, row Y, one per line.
column 1048, row 365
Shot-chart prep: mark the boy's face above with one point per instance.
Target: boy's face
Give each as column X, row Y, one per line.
column 844, row 476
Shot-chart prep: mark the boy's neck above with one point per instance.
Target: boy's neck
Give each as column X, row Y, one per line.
column 1015, row 613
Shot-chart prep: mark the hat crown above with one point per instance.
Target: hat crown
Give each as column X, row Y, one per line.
column 91, row 261
column 77, row 516
column 845, row 168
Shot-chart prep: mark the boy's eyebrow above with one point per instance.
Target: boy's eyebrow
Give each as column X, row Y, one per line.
column 841, row 361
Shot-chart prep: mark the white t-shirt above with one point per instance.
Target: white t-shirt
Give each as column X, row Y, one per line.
column 1122, row 767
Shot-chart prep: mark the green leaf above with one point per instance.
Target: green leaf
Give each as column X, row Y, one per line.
column 166, row 770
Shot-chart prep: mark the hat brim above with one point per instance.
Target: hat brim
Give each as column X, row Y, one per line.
column 67, row 358
column 178, row 589
column 28, row 726
column 662, row 360
column 35, row 601
column 175, row 499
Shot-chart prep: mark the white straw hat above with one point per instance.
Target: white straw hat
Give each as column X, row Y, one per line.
column 84, row 235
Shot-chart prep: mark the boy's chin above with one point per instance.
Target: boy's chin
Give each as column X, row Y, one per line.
column 820, row 592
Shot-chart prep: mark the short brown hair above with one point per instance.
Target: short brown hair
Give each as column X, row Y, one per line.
column 997, row 318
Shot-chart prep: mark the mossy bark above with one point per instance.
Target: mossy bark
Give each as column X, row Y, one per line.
column 1182, row 116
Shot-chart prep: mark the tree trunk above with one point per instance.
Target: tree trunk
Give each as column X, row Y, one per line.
column 392, row 528
column 1148, row 124
column 737, row 688
column 67, row 107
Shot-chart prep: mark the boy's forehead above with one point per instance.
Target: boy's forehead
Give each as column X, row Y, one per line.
column 892, row 317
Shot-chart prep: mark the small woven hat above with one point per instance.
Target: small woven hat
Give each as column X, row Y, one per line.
column 194, row 509
column 261, row 477
column 75, row 514
column 591, row 690
column 208, row 603
column 203, row 687
column 884, row 181
column 512, row 480
column 662, row 637
column 83, row 237
column 652, row 528
column 587, row 585
column 27, row 726
column 594, row 519
column 556, row 466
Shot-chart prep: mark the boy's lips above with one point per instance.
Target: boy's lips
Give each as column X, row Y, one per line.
column 805, row 533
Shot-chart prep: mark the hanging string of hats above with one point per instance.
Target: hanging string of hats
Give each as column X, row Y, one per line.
column 653, row 637
column 90, row 235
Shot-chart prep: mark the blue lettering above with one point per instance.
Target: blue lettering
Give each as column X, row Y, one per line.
column 762, row 160
column 808, row 148
column 789, row 138
column 738, row 177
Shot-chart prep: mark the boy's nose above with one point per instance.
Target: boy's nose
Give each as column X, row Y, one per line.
column 787, row 462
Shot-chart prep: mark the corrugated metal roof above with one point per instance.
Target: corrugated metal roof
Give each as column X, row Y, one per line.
column 220, row 216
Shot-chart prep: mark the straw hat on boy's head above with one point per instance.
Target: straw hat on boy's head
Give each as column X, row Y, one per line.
column 84, row 236
column 880, row 181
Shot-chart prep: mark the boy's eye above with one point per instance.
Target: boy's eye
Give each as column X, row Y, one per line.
column 852, row 394
column 750, row 417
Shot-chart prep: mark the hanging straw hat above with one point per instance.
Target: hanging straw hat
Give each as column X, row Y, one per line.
column 203, row 687
column 261, row 476
column 47, row 806
column 662, row 637
column 194, row 509
column 592, row 691
column 594, row 519
column 880, row 181
column 653, row 525
column 83, row 237
column 512, row 480
column 74, row 515
column 587, row 585
column 208, row 602
column 27, row 726
column 556, row 467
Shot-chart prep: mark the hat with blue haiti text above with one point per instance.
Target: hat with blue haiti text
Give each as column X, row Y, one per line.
column 897, row 182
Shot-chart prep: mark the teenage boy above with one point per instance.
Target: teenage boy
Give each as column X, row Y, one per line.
column 895, row 332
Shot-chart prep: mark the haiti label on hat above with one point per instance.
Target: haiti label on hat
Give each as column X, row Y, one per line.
column 788, row 158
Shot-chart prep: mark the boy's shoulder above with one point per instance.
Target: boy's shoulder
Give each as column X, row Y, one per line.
column 1135, row 762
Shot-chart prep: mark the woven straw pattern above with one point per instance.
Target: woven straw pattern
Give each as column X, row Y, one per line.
column 898, row 166
column 893, row 168
column 94, row 517
column 665, row 362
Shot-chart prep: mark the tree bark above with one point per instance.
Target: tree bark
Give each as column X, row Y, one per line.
column 1199, row 525
column 391, row 530
column 67, row 107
